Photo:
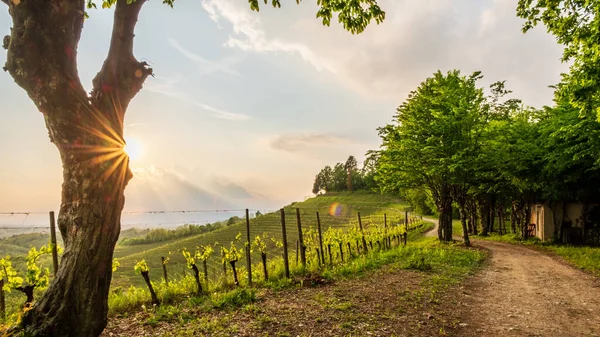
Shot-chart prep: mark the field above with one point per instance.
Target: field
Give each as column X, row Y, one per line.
column 335, row 211
column 371, row 206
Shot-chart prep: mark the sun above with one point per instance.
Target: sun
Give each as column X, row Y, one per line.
column 133, row 148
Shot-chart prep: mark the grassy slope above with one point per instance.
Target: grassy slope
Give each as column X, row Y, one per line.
column 438, row 266
column 371, row 206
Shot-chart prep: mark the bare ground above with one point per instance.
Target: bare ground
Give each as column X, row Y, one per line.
column 523, row 292
column 389, row 302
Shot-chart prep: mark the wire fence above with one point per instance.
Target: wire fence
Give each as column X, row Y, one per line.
column 260, row 223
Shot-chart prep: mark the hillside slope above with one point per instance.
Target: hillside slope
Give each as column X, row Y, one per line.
column 335, row 210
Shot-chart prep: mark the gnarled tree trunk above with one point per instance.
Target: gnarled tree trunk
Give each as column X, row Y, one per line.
column 88, row 132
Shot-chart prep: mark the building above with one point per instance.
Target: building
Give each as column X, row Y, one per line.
column 573, row 222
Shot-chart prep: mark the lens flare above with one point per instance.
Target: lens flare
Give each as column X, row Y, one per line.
column 336, row 209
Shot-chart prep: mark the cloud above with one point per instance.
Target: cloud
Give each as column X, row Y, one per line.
column 417, row 38
column 206, row 67
column 302, row 142
column 249, row 34
column 168, row 87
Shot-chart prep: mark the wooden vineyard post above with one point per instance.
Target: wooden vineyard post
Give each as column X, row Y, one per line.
column 248, row 262
column 164, row 268
column 53, row 241
column 205, row 272
column 364, row 242
column 318, row 256
column 320, row 238
column 286, row 262
column 384, row 220
column 297, row 251
column 2, row 302
column 301, row 239
column 406, row 220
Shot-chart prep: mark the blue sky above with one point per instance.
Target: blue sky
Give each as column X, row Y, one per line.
column 246, row 107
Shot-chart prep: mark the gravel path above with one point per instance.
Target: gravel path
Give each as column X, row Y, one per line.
column 523, row 292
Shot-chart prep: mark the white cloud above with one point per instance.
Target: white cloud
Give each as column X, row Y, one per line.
column 167, row 87
column 417, row 38
column 250, row 35
column 302, row 142
column 206, row 67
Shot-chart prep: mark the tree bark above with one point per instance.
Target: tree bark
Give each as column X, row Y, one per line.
column 88, row 132
column 444, row 204
column 484, row 211
column 500, row 211
column 460, row 196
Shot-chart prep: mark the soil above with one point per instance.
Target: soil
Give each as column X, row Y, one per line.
column 386, row 303
column 524, row 292
column 519, row 292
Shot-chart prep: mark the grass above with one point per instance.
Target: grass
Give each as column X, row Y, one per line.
column 442, row 265
column 371, row 206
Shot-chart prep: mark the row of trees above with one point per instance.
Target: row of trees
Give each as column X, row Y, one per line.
column 489, row 156
column 346, row 176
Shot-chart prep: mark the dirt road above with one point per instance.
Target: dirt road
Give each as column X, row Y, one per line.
column 523, row 292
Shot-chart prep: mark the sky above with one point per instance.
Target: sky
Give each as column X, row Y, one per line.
column 247, row 107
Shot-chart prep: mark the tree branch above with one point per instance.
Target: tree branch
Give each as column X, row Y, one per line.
column 122, row 75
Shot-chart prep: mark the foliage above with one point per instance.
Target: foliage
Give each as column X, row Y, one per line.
column 141, row 267
column 115, row 265
column 9, row 275
column 233, row 253
column 347, row 177
column 575, row 24
column 35, row 275
column 430, row 143
column 354, row 15
column 162, row 235
column 202, row 253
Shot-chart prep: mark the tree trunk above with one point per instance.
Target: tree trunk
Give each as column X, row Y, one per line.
column 463, row 222
column 88, row 132
column 460, row 196
column 445, row 218
column 197, row 277
column 500, row 210
column 492, row 211
column 484, row 211
column 514, row 218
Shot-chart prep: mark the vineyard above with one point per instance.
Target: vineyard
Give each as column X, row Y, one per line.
column 323, row 232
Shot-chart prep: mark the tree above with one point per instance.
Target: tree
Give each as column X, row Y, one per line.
column 87, row 129
column 575, row 24
column 351, row 167
column 431, row 141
